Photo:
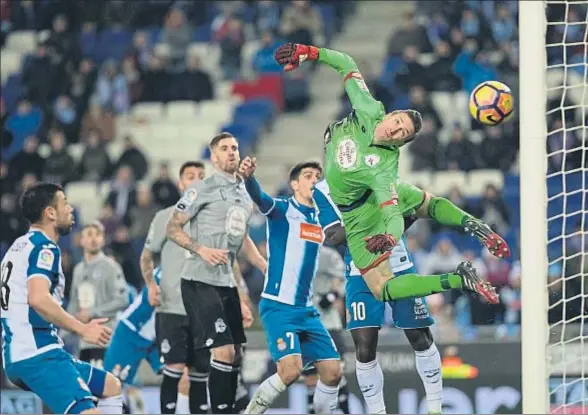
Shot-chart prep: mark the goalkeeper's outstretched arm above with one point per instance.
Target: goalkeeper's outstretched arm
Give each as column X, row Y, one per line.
column 355, row 86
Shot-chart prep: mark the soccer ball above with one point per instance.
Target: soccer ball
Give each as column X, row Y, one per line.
column 491, row 102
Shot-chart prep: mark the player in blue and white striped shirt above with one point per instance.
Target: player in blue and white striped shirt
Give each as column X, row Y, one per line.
column 31, row 301
column 294, row 332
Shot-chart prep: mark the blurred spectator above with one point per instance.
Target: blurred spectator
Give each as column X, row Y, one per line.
column 164, row 190
column 504, row 26
column 443, row 258
column 82, row 84
column 301, row 22
column 109, row 221
column 263, row 60
column 456, row 41
column 470, row 24
column 460, row 153
column 112, row 89
column 563, row 147
column 473, row 66
column 153, row 80
column 141, row 215
column 123, row 194
column 437, row 29
column 177, row 34
column 62, row 43
column 141, row 49
column 6, row 137
column 497, row 270
column 98, row 120
column 27, row 160
column 412, row 72
column 268, row 16
column 22, row 123
column 122, row 250
column 456, row 197
column 419, row 100
column 38, row 75
column 511, row 298
column 119, row 13
column 28, row 181
column 440, row 75
column 12, row 223
column 6, row 184
column 231, row 37
column 133, row 78
column 59, row 165
column 66, row 117
column 24, row 15
column 411, row 34
column 493, row 210
column 445, row 329
column 196, row 84
column 425, row 148
column 497, row 150
column 95, row 163
column 133, row 158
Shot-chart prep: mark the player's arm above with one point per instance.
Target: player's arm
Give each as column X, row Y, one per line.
column 43, row 269
column 383, row 185
column 243, row 295
column 116, row 286
column 153, row 246
column 329, row 217
column 264, row 202
column 252, row 254
column 73, row 306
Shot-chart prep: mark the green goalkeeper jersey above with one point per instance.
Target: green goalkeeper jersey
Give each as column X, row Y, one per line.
column 355, row 167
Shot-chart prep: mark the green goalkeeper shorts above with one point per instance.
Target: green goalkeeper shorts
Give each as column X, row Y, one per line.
column 367, row 220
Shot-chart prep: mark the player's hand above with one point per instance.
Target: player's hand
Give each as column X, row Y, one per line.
column 214, row 256
column 378, row 244
column 290, row 55
column 153, row 292
column 95, row 332
column 247, row 315
column 247, row 167
column 84, row 315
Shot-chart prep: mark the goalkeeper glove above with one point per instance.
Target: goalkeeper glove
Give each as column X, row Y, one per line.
column 290, row 55
column 378, row 244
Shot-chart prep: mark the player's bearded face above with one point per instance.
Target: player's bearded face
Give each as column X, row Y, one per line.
column 62, row 212
column 226, row 155
column 396, row 128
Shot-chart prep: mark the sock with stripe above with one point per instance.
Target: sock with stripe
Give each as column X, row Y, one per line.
column 415, row 285
column 428, row 364
column 222, row 386
column 169, row 390
column 266, row 394
column 198, row 392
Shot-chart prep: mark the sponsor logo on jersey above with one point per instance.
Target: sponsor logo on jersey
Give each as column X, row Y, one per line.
column 220, row 326
column 281, row 344
column 372, row 159
column 208, row 342
column 46, row 259
column 346, row 153
column 311, row 233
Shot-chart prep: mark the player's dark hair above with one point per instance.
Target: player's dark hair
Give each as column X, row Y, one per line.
column 95, row 224
column 216, row 139
column 417, row 122
column 188, row 164
column 36, row 199
column 297, row 169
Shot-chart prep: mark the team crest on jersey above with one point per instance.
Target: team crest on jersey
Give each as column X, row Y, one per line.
column 281, row 345
column 346, row 153
column 208, row 342
column 165, row 347
column 220, row 326
column 46, row 259
column 236, row 222
column 371, row 159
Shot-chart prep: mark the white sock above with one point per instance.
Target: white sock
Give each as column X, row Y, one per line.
column 371, row 382
column 183, row 404
column 325, row 398
column 428, row 364
column 265, row 395
column 112, row 405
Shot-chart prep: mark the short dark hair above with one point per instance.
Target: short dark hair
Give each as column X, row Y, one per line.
column 37, row 198
column 216, row 139
column 417, row 122
column 188, row 164
column 297, row 169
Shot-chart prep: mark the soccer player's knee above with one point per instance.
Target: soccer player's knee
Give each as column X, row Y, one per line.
column 332, row 376
column 112, row 386
column 176, row 367
column 238, row 358
column 289, row 371
column 184, row 385
column 364, row 353
column 419, row 339
column 74, row 410
column 224, row 354
column 201, row 362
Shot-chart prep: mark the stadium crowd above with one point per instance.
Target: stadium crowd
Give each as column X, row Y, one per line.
column 94, row 60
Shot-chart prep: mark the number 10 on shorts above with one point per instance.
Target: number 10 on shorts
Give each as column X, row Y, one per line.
column 358, row 310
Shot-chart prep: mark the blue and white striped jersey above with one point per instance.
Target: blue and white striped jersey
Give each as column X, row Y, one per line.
column 400, row 260
column 140, row 315
column 294, row 237
column 25, row 333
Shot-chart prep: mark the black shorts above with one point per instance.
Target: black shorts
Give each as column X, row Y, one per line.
column 94, row 356
column 214, row 314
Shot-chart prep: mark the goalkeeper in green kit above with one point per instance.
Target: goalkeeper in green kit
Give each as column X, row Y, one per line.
column 361, row 169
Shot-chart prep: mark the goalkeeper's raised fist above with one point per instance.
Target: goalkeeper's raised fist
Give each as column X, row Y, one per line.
column 379, row 244
column 290, row 55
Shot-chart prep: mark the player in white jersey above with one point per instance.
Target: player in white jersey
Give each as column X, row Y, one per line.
column 365, row 317
column 294, row 332
column 31, row 297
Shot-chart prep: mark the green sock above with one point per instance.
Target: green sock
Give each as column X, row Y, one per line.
column 415, row 285
column 446, row 213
